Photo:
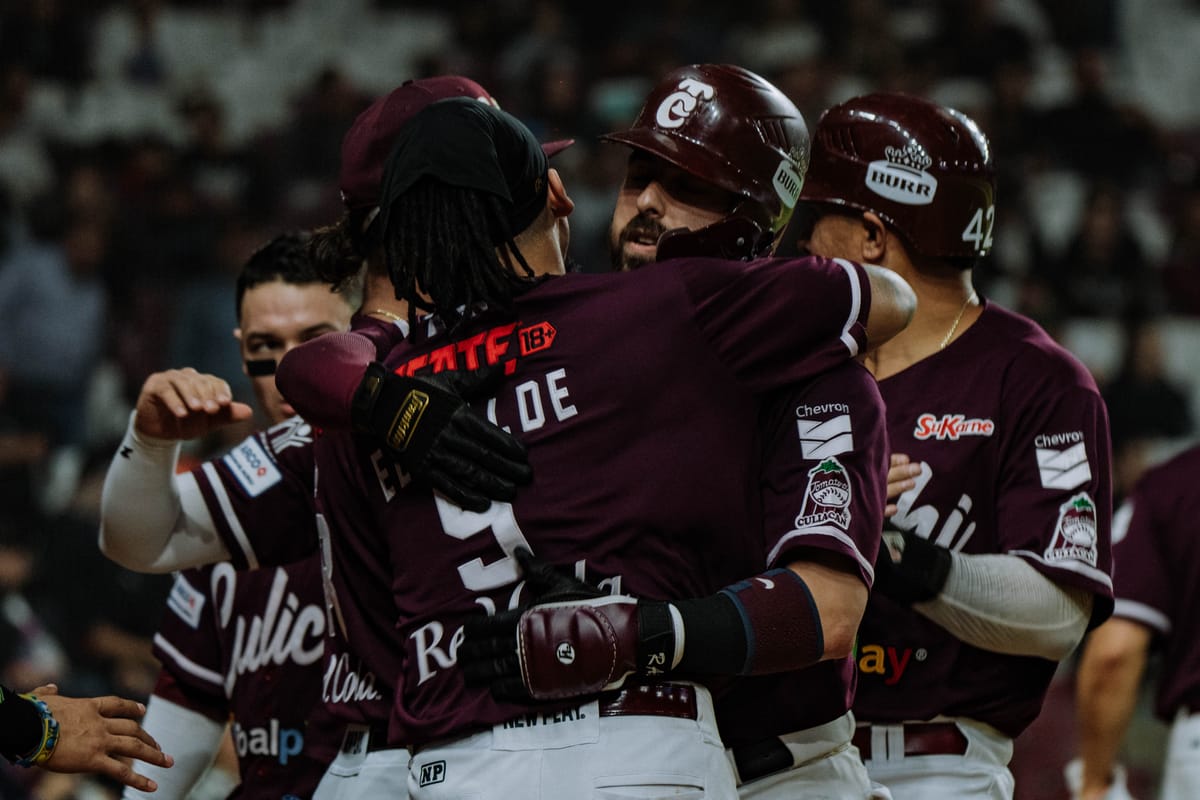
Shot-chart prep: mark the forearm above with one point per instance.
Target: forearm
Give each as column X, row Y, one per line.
column 1000, row 603
column 150, row 519
column 191, row 737
column 1106, row 688
column 320, row 377
column 892, row 305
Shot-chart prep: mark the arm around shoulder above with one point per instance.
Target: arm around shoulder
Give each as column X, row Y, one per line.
column 893, row 303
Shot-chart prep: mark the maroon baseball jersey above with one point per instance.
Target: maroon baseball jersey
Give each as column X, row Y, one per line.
column 824, row 487
column 1156, row 573
column 1012, row 439
column 655, row 380
column 252, row 644
column 260, row 498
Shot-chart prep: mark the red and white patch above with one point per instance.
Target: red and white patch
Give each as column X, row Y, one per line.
column 951, row 427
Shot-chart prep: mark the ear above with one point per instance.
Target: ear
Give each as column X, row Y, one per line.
column 556, row 195
column 875, row 238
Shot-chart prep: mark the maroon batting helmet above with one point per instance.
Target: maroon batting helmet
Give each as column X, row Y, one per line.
column 926, row 170
column 369, row 141
column 730, row 127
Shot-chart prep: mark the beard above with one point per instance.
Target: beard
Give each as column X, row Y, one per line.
column 639, row 229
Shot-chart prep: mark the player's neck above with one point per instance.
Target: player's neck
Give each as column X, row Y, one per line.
column 947, row 305
column 379, row 299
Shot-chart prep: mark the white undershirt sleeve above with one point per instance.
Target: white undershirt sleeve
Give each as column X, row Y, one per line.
column 191, row 738
column 150, row 519
column 1001, row 603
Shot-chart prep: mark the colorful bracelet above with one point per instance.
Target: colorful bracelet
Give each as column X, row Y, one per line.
column 41, row 754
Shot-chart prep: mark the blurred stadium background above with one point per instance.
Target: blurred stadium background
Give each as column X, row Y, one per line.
column 147, row 147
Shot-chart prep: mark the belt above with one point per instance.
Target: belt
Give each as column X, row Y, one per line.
column 376, row 739
column 651, row 700
column 920, row 739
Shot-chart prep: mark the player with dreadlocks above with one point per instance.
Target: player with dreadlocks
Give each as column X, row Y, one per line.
column 572, row 394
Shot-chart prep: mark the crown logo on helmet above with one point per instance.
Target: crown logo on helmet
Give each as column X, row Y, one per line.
column 912, row 156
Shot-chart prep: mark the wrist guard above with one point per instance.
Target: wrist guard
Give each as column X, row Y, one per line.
column 909, row 568
column 41, row 752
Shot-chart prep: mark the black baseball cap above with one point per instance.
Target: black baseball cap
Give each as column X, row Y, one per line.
column 469, row 144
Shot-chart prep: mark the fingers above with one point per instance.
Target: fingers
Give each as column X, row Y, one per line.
column 139, row 746
column 456, row 493
column 123, row 773
column 488, row 445
column 184, row 391
column 130, row 728
column 901, row 477
column 119, row 707
column 47, row 690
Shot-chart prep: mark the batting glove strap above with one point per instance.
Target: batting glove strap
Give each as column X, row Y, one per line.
column 579, row 648
column 909, row 568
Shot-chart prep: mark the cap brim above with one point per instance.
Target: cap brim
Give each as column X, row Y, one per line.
column 552, row 149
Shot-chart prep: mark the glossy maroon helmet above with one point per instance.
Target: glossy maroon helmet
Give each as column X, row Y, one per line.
column 732, row 128
column 925, row 169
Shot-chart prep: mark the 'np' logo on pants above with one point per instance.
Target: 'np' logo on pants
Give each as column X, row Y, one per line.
column 434, row 772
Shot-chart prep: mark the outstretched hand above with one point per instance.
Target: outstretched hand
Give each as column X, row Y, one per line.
column 185, row 404
column 100, row 735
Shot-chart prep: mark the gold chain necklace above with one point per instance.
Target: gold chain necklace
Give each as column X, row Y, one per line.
column 945, row 341
column 385, row 313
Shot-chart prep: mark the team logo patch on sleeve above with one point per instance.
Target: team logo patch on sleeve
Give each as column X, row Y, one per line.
column 1063, row 469
column 252, row 467
column 186, row 601
column 827, row 498
column 1075, row 533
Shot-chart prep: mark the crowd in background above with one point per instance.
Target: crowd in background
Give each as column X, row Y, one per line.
column 147, row 147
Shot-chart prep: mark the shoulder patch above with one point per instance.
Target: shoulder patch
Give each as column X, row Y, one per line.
column 186, row 601
column 1064, row 469
column 1075, row 532
column 823, row 438
column 252, row 467
column 827, row 498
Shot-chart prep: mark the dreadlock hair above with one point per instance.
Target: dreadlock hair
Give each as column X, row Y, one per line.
column 453, row 245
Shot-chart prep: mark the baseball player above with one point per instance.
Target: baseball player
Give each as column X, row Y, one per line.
column 248, row 646
column 999, row 559
column 69, row 734
column 465, row 173
column 713, row 156
column 1154, row 581
column 264, row 489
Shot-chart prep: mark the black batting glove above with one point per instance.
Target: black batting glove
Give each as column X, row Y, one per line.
column 909, row 568
column 427, row 427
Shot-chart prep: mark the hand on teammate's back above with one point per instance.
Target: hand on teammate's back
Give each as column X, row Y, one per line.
column 182, row 404
column 427, row 426
column 572, row 639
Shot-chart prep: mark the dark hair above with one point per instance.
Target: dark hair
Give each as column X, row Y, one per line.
column 454, row 245
column 338, row 250
column 285, row 258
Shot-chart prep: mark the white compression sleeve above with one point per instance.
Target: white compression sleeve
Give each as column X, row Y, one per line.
column 1001, row 603
column 151, row 520
column 189, row 737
